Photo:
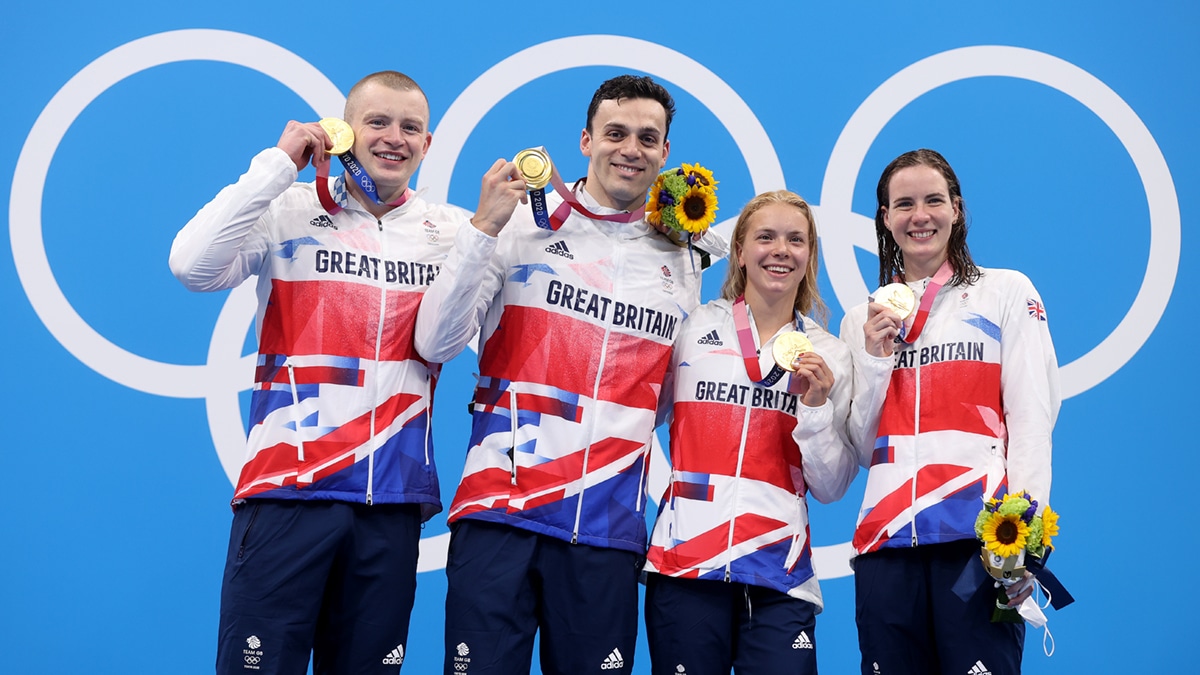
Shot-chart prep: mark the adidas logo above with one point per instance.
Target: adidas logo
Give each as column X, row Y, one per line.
column 802, row 641
column 322, row 221
column 560, row 248
column 396, row 657
column 979, row 669
column 614, row 661
column 711, row 339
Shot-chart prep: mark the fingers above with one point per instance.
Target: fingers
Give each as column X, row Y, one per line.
column 1018, row 592
column 881, row 329
column 502, row 187
column 816, row 379
column 302, row 141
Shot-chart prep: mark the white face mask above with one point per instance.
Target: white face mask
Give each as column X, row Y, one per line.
column 1031, row 611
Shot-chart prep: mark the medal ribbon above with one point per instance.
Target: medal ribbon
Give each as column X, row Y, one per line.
column 741, row 322
column 360, row 176
column 935, row 284
column 570, row 201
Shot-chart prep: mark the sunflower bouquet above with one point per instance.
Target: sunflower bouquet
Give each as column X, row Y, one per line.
column 684, row 200
column 1011, row 529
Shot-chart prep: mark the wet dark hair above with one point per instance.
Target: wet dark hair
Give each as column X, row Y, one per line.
column 632, row 86
column 891, row 260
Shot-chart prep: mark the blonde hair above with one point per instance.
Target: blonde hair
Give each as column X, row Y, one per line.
column 387, row 78
column 808, row 298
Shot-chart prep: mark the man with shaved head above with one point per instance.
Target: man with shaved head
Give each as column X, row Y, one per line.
column 339, row 473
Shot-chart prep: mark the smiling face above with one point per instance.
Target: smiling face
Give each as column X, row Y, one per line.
column 920, row 215
column 627, row 147
column 391, row 135
column 774, row 252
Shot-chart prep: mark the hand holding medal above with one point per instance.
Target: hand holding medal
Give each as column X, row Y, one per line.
column 897, row 297
column 890, row 307
column 340, row 135
column 536, row 170
column 788, row 348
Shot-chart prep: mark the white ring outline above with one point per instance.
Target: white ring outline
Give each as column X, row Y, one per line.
column 60, row 322
column 223, row 370
column 914, row 81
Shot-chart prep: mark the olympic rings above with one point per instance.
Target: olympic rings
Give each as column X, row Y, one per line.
column 226, row 371
column 842, row 229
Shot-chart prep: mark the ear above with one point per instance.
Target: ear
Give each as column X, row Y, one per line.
column 666, row 154
column 428, row 142
column 585, row 143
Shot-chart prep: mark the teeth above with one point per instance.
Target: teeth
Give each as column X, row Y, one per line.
column 921, row 235
column 388, row 155
column 781, row 270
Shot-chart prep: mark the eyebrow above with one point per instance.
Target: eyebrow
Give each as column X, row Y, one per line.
column 640, row 130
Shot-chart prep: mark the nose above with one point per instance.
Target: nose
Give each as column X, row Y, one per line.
column 920, row 214
column 628, row 146
column 392, row 135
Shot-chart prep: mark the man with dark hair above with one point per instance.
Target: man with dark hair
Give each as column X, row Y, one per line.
column 577, row 321
column 339, row 474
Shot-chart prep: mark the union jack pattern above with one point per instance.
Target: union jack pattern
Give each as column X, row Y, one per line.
column 953, row 417
column 735, row 508
column 1036, row 310
column 571, row 367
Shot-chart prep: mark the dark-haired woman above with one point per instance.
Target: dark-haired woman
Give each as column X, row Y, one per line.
column 965, row 390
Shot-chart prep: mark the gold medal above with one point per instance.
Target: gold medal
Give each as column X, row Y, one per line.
column 897, row 297
column 340, row 134
column 534, row 165
column 788, row 347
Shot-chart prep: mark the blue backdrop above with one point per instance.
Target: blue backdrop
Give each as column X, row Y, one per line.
column 1072, row 128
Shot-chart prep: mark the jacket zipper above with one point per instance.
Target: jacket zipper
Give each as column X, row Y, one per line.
column 375, row 366
column 595, row 396
column 512, row 410
column 297, row 418
column 916, row 442
column 737, row 476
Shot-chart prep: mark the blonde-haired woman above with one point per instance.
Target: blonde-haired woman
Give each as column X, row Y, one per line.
column 730, row 581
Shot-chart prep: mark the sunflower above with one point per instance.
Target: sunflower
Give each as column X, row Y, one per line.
column 697, row 209
column 1049, row 525
column 653, row 207
column 703, row 175
column 1005, row 535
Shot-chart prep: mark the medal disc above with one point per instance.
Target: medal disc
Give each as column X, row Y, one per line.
column 788, row 346
column 534, row 165
column 340, row 134
column 899, row 298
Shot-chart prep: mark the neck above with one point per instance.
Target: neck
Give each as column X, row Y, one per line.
column 609, row 203
column 770, row 312
column 915, row 270
column 385, row 194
